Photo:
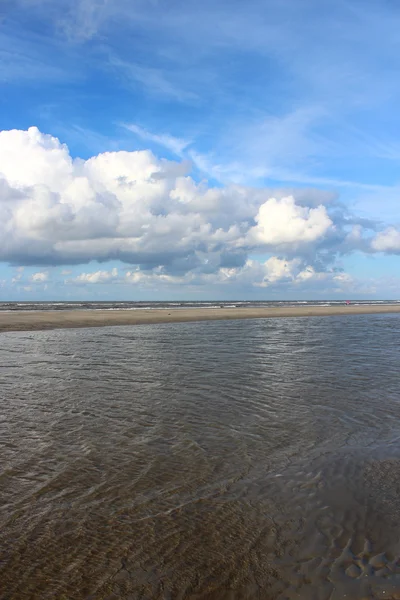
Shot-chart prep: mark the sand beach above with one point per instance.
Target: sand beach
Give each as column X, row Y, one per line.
column 38, row 320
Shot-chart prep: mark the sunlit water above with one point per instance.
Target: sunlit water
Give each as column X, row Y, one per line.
column 215, row 460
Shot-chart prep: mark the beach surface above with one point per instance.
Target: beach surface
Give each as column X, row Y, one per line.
column 38, row 320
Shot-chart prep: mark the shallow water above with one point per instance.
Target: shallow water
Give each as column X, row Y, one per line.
column 215, row 460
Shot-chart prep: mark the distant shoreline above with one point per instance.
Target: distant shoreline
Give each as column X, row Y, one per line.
column 41, row 320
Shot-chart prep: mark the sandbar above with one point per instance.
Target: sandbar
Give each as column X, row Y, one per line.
column 39, row 320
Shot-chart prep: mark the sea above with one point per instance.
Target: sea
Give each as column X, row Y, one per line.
column 220, row 460
column 176, row 305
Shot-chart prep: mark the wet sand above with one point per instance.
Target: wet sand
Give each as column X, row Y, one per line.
column 37, row 320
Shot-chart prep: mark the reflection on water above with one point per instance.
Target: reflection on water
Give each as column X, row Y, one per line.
column 240, row 459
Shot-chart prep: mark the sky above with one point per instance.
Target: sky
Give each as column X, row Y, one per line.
column 177, row 149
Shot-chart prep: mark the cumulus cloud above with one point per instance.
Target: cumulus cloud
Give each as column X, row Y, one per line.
column 282, row 222
column 149, row 213
column 275, row 273
column 96, row 277
column 39, row 277
column 387, row 241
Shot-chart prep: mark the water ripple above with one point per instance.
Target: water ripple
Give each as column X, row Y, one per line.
column 254, row 459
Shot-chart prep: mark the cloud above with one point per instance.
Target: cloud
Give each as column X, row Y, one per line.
column 265, row 146
column 39, row 277
column 152, row 79
column 19, row 275
column 276, row 274
column 281, row 148
column 387, row 241
column 145, row 211
column 174, row 144
column 28, row 67
column 283, row 222
column 292, row 126
column 83, row 19
column 76, row 20
column 96, row 277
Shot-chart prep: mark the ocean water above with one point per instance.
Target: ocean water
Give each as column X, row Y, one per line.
column 213, row 460
column 176, row 305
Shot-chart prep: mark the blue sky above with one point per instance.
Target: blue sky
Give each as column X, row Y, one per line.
column 155, row 149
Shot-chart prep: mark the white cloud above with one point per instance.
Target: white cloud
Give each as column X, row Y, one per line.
column 387, row 241
column 278, row 269
column 302, row 132
column 83, row 19
column 31, row 158
column 39, row 277
column 174, row 144
column 23, row 58
column 278, row 272
column 284, row 222
column 155, row 81
column 133, row 207
column 77, row 20
column 96, row 277
column 344, row 279
column 275, row 274
column 19, row 275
